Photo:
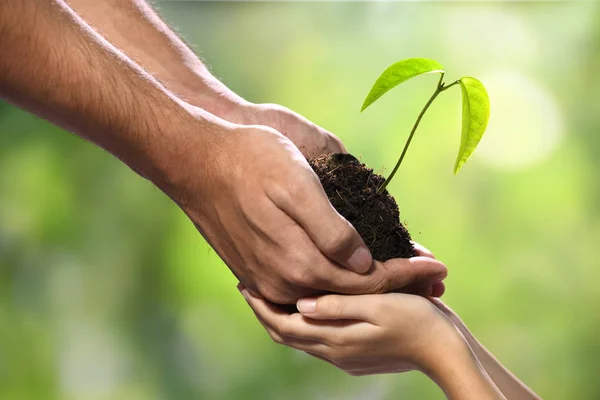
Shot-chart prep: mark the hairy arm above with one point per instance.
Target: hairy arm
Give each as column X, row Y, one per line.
column 247, row 189
column 135, row 28
column 55, row 66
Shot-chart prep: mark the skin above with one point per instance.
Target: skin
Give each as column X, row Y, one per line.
column 377, row 334
column 391, row 333
column 134, row 27
column 506, row 381
column 247, row 188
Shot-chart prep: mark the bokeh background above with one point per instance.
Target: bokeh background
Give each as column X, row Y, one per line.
column 108, row 292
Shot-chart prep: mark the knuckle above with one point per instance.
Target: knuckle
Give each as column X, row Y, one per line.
column 300, row 275
column 277, row 295
column 284, row 328
column 414, row 276
column 339, row 241
column 339, row 341
column 300, row 257
column 377, row 285
column 304, row 271
column 291, row 191
column 296, row 188
column 393, row 277
column 331, row 305
column 381, row 310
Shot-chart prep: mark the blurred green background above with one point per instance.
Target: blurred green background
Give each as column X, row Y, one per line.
column 108, row 292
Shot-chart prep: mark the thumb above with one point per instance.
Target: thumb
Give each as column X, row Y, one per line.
column 307, row 203
column 332, row 307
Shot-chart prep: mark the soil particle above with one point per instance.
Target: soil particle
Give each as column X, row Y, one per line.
column 352, row 189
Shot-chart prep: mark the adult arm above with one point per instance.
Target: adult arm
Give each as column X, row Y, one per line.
column 247, row 189
column 135, row 28
column 55, row 66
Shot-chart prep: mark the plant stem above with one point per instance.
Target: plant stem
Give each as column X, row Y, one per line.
column 440, row 88
column 444, row 87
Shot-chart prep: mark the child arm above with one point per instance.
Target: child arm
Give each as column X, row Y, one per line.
column 375, row 334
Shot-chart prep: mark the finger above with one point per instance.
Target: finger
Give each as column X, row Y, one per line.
column 422, row 251
column 428, row 290
column 293, row 342
column 399, row 273
column 336, row 307
column 418, row 290
column 306, row 345
column 392, row 275
column 438, row 289
column 281, row 323
column 333, row 235
column 283, row 327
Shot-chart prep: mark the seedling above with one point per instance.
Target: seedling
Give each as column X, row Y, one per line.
column 359, row 194
column 475, row 105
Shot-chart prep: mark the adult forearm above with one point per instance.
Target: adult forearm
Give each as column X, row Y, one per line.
column 55, row 66
column 135, row 28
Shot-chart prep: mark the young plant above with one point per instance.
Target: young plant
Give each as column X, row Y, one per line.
column 475, row 105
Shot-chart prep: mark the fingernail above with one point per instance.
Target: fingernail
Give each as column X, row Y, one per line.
column 361, row 260
column 307, row 306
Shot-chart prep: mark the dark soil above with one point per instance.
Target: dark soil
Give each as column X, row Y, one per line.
column 352, row 189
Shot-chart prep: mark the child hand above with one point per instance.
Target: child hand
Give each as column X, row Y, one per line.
column 367, row 334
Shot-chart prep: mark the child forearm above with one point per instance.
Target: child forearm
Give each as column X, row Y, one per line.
column 459, row 374
column 509, row 384
column 506, row 381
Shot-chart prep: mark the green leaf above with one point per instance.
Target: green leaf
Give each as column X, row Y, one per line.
column 398, row 73
column 475, row 117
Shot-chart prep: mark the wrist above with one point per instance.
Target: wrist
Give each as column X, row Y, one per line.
column 178, row 137
column 202, row 90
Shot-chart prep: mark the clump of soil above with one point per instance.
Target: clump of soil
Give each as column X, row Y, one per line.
column 352, row 189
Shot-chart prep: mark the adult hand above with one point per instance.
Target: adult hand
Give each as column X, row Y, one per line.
column 258, row 203
column 248, row 189
column 310, row 139
column 439, row 288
